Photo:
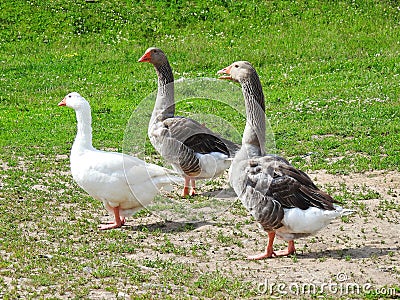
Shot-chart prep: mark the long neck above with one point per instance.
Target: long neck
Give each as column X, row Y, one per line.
column 254, row 132
column 165, row 103
column 83, row 139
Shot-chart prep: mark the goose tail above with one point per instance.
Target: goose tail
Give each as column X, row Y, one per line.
column 344, row 211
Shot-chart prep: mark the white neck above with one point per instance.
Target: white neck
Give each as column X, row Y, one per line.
column 83, row 139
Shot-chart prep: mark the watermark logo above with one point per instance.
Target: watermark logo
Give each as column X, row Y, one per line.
column 213, row 103
column 341, row 286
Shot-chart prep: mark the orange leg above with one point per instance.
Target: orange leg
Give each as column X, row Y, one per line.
column 118, row 221
column 269, row 251
column 189, row 182
column 122, row 221
column 185, row 191
column 193, row 189
column 290, row 250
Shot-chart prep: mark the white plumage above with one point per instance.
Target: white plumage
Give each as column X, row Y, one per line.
column 298, row 222
column 124, row 183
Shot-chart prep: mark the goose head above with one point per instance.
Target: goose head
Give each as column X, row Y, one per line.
column 154, row 56
column 74, row 100
column 239, row 71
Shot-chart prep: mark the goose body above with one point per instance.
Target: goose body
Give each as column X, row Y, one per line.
column 283, row 199
column 193, row 150
column 124, row 183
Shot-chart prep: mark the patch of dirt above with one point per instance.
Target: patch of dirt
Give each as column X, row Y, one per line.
column 386, row 183
column 357, row 256
column 347, row 258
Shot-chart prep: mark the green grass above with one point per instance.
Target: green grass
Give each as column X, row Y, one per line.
column 330, row 72
column 327, row 69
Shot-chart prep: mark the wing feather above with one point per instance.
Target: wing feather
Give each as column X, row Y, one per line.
column 275, row 178
column 198, row 137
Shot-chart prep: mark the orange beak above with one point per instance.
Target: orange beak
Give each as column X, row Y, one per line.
column 63, row 102
column 226, row 70
column 146, row 57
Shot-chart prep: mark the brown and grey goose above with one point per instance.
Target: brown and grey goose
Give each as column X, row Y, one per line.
column 283, row 199
column 193, row 150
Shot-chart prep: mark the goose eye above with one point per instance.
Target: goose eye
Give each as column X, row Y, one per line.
column 236, row 66
column 69, row 96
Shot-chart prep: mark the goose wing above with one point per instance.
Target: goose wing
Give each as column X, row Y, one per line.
column 271, row 184
column 198, row 137
column 288, row 185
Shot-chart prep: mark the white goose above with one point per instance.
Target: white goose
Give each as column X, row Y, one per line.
column 123, row 183
column 193, row 150
column 281, row 198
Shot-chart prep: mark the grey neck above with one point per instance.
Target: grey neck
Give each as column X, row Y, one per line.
column 254, row 132
column 165, row 104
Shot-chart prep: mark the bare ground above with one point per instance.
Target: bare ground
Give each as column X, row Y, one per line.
column 346, row 258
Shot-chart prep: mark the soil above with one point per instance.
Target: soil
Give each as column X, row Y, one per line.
column 346, row 258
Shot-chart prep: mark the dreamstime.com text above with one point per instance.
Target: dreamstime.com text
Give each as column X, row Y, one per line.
column 340, row 286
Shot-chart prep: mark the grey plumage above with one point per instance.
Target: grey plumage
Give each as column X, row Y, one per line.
column 178, row 139
column 283, row 199
column 269, row 179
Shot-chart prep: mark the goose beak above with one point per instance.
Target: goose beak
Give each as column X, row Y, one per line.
column 146, row 57
column 63, row 102
column 226, row 70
